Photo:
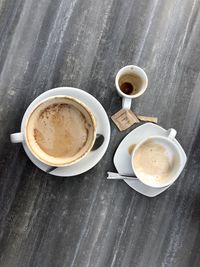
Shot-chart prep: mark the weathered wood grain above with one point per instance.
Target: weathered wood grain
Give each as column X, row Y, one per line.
column 86, row 220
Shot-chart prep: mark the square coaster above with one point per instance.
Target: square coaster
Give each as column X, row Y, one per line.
column 124, row 118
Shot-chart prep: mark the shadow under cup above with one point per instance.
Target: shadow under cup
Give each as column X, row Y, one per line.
column 157, row 170
column 60, row 131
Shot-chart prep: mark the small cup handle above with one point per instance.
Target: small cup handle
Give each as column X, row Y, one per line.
column 17, row 138
column 171, row 133
column 126, row 103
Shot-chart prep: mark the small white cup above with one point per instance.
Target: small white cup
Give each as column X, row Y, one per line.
column 128, row 70
column 168, row 143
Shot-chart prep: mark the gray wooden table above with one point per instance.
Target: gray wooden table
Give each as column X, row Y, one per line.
column 86, row 220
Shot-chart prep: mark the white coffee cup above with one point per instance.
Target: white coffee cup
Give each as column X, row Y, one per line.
column 27, row 132
column 171, row 149
column 135, row 71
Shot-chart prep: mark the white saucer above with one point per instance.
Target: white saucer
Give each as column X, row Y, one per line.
column 122, row 159
column 103, row 127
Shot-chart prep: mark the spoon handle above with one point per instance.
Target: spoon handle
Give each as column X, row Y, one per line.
column 117, row 176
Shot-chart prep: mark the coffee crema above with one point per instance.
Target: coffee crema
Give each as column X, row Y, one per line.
column 61, row 130
column 152, row 163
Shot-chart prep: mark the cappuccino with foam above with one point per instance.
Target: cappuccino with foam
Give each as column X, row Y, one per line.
column 60, row 130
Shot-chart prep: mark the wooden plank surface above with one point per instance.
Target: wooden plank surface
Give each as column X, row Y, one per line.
column 86, row 220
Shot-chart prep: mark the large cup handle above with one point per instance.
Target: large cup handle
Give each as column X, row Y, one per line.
column 17, row 137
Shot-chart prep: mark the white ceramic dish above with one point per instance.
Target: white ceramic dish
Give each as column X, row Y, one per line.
column 122, row 159
column 103, row 127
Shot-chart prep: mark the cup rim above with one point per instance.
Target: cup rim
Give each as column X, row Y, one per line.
column 75, row 160
column 117, row 79
column 178, row 152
